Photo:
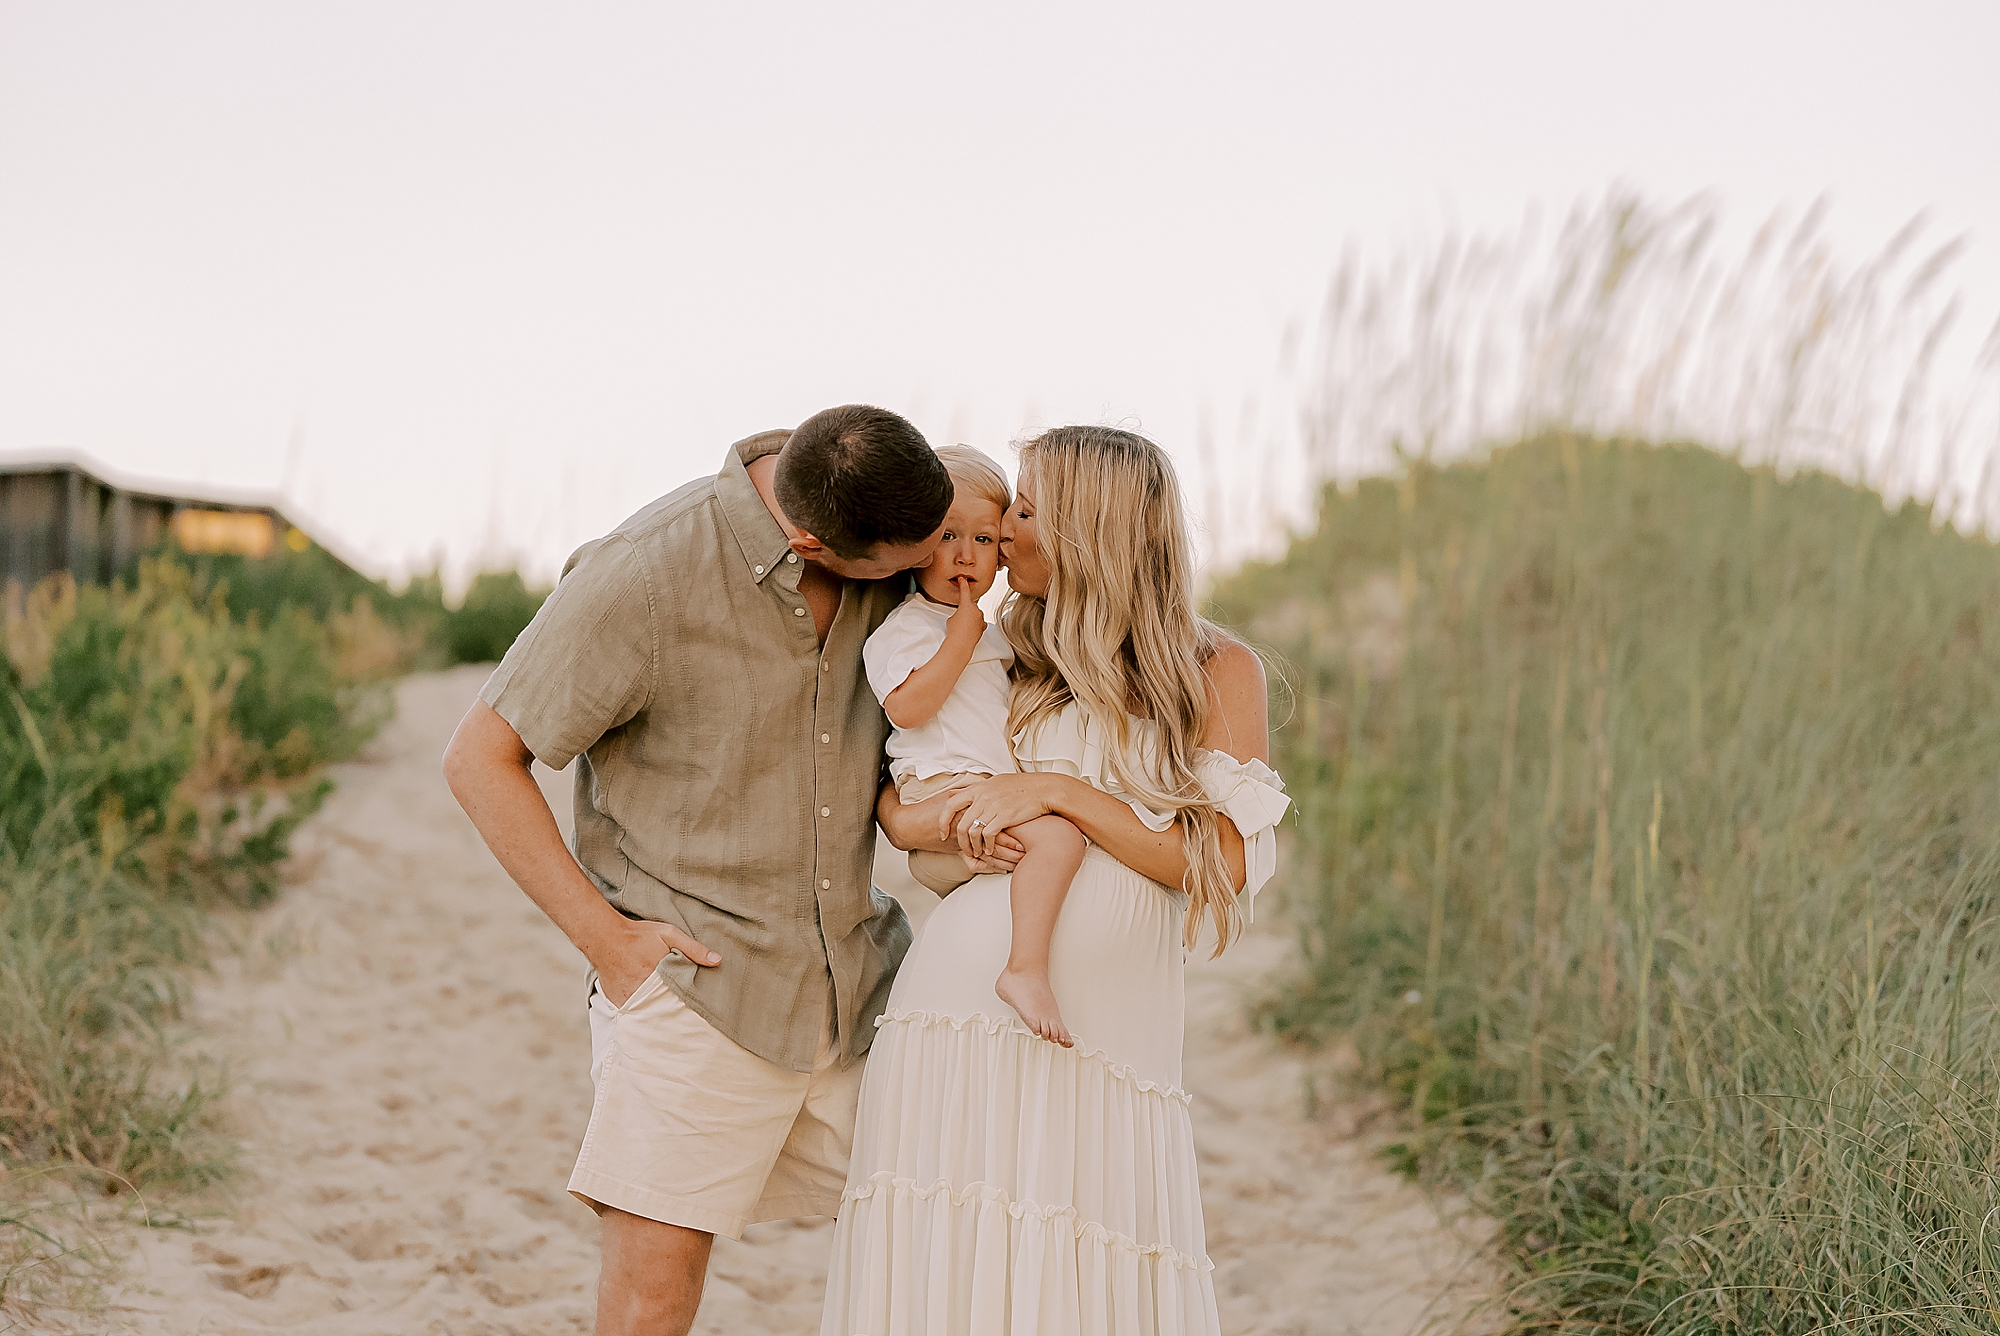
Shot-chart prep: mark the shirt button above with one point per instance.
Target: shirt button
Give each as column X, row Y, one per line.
column 826, row 886
column 826, row 811
column 791, row 556
column 826, row 737
column 825, row 667
column 798, row 612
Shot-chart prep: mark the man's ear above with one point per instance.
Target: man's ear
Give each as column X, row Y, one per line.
column 807, row 546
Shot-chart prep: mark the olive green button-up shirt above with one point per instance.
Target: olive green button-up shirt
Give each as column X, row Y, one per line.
column 729, row 761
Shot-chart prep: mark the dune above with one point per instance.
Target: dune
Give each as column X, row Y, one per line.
column 406, row 1039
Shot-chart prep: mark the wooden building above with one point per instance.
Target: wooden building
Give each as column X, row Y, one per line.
column 68, row 515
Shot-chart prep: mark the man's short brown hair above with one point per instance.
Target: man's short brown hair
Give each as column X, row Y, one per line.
column 857, row 477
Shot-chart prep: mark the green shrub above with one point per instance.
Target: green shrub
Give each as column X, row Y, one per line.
column 157, row 726
column 415, row 629
column 496, row 609
column 312, row 580
column 156, row 755
column 1649, row 846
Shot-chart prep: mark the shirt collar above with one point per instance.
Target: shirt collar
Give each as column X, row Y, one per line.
column 762, row 543
column 929, row 605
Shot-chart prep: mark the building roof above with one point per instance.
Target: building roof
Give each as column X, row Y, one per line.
column 80, row 461
column 204, row 494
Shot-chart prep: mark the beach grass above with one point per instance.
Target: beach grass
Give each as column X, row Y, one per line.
column 1648, row 849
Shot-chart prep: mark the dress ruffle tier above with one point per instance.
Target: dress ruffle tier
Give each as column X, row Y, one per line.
column 1023, row 1188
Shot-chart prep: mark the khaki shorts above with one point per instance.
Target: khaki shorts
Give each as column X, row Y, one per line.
column 692, row 1130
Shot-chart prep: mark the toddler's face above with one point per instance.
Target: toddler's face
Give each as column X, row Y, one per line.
column 968, row 549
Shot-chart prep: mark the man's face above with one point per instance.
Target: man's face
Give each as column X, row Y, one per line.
column 883, row 562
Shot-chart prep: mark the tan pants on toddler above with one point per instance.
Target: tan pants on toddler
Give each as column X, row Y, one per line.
column 941, row 873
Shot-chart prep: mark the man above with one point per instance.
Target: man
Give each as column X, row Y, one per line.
column 704, row 663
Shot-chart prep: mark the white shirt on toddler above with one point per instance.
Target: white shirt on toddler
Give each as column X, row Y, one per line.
column 968, row 734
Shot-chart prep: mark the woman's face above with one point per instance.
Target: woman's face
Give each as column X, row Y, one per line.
column 1027, row 573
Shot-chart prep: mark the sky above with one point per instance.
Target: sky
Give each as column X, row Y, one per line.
column 469, row 282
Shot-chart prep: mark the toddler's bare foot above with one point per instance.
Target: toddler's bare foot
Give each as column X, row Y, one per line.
column 1030, row 995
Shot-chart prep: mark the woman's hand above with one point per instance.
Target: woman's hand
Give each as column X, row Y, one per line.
column 916, row 826
column 978, row 813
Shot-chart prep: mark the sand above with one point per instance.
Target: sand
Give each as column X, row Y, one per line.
column 409, row 1057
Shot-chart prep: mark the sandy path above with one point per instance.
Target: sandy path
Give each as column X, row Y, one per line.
column 410, row 1058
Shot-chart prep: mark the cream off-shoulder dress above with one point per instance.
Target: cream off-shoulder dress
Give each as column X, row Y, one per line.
column 1001, row 1183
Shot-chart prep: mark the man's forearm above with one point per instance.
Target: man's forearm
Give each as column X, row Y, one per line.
column 492, row 782
column 486, row 766
column 913, row 826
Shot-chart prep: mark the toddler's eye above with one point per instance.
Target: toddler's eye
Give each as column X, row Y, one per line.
column 947, row 536
column 984, row 538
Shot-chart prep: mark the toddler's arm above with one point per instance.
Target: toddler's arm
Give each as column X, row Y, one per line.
column 922, row 694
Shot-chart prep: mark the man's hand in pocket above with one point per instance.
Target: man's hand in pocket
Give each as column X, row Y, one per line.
column 624, row 962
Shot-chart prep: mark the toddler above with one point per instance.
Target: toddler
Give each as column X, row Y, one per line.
column 941, row 674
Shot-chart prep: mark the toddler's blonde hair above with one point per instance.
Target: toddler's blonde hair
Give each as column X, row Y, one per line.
column 975, row 473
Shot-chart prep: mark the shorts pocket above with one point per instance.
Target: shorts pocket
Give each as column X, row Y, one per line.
column 648, row 986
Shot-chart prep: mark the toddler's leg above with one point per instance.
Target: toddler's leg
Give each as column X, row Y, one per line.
column 1053, row 852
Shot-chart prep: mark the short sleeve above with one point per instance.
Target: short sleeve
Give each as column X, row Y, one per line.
column 902, row 644
column 1252, row 796
column 585, row 664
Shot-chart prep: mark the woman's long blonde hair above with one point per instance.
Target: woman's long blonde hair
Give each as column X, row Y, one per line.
column 1118, row 634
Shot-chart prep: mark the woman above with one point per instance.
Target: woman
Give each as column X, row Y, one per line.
column 1001, row 1183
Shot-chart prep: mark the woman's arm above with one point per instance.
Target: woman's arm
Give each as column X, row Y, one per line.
column 1238, row 726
